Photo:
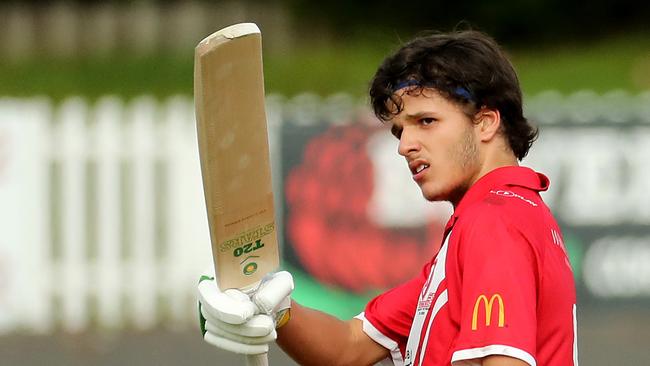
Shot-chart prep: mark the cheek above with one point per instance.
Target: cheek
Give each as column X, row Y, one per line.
column 451, row 167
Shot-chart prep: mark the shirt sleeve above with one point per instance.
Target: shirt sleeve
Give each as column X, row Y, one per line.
column 498, row 272
column 389, row 316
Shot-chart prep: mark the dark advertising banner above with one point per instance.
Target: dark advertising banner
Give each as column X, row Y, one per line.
column 601, row 176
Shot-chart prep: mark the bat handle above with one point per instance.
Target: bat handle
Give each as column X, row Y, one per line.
column 257, row 360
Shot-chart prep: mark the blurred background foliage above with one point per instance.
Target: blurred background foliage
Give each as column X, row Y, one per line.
column 336, row 46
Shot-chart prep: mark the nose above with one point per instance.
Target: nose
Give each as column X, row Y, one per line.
column 407, row 143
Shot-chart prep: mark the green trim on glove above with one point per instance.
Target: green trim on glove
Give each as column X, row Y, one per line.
column 202, row 322
column 202, row 319
column 206, row 278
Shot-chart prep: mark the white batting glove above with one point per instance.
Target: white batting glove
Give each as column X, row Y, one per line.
column 241, row 323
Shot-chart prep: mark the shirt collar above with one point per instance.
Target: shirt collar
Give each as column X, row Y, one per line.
column 500, row 177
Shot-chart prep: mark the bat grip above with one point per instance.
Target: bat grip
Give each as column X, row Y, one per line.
column 257, row 360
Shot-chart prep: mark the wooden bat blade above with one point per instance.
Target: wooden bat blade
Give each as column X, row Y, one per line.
column 234, row 154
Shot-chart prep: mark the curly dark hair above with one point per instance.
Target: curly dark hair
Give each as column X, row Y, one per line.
column 468, row 68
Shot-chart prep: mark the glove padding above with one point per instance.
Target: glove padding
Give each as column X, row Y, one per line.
column 241, row 323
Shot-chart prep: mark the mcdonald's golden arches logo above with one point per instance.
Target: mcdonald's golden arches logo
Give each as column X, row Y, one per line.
column 487, row 305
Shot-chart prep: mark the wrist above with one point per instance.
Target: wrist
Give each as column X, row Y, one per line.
column 282, row 318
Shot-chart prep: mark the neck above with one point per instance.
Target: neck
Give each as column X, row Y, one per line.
column 488, row 163
column 486, row 168
column 492, row 155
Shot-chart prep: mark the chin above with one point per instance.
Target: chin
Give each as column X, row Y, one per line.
column 442, row 193
column 433, row 195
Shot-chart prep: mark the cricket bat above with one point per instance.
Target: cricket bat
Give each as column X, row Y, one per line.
column 234, row 154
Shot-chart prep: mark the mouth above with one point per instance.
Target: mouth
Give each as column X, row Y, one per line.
column 417, row 168
column 421, row 168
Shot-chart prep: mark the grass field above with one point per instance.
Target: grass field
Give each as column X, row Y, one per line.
column 621, row 62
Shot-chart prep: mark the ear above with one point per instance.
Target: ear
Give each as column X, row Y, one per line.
column 488, row 123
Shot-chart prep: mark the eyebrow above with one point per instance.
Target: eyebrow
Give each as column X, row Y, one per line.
column 417, row 115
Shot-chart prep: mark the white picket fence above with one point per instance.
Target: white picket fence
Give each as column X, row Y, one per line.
column 102, row 214
column 102, row 218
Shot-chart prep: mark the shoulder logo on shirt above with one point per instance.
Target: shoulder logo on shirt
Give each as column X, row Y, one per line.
column 503, row 193
column 488, row 306
column 557, row 239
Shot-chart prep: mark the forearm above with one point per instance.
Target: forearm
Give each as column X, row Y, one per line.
column 312, row 337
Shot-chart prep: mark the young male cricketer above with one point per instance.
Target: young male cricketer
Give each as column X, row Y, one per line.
column 499, row 291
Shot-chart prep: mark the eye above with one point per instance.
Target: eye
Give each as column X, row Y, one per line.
column 427, row 121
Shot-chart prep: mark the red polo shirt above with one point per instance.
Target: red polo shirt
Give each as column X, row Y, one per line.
column 501, row 284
